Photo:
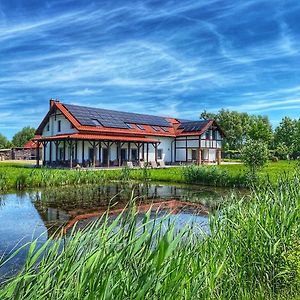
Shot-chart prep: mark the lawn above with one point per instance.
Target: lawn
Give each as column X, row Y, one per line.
column 16, row 175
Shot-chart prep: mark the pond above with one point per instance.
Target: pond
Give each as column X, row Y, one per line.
column 39, row 213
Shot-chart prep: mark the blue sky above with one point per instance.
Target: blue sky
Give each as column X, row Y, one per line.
column 173, row 58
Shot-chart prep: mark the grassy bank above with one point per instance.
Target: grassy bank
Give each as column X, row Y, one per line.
column 252, row 253
column 16, row 176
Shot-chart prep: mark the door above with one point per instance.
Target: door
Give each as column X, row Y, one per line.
column 105, row 156
column 123, row 155
column 194, row 154
column 91, row 154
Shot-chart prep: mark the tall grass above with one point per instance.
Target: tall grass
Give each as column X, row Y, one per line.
column 250, row 253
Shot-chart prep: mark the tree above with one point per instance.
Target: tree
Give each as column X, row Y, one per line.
column 286, row 132
column 23, row 136
column 255, row 155
column 3, row 142
column 239, row 127
column 283, row 151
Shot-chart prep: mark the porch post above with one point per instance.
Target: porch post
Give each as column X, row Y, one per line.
column 100, row 153
column 128, row 152
column 147, row 152
column 219, row 157
column 155, row 153
column 186, row 149
column 50, row 153
column 138, row 145
column 82, row 152
column 76, row 150
column 143, row 151
column 64, row 150
column 71, row 154
column 56, row 143
column 44, row 154
column 94, row 154
column 119, row 153
column 108, row 154
column 175, row 150
column 38, row 154
column 199, row 156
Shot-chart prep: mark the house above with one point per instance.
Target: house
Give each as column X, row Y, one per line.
column 72, row 135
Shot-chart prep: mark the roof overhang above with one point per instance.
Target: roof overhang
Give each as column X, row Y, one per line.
column 96, row 137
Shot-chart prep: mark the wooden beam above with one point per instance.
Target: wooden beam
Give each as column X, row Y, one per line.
column 155, row 152
column 147, row 152
column 175, row 148
column 76, row 151
column 38, row 154
column 64, row 150
column 100, row 146
column 119, row 153
column 82, row 152
column 108, row 154
column 128, row 153
column 186, row 149
column 50, row 153
column 94, row 154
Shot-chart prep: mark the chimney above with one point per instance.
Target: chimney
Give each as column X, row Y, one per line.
column 52, row 101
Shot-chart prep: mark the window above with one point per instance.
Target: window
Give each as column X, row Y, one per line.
column 207, row 134
column 48, row 127
column 129, row 126
column 59, row 125
column 155, row 128
column 159, row 153
column 194, row 154
column 214, row 135
column 60, row 153
column 134, row 154
column 165, row 129
column 140, row 126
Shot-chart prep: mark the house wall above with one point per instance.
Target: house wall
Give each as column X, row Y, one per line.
column 53, row 126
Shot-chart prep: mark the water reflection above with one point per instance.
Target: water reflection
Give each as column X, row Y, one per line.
column 28, row 215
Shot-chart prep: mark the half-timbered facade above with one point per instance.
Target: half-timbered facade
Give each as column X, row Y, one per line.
column 73, row 135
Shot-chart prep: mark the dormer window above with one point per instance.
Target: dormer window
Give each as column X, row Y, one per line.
column 165, row 129
column 140, row 126
column 59, row 126
column 155, row 128
column 129, row 126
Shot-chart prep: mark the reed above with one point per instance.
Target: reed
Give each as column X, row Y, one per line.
column 251, row 252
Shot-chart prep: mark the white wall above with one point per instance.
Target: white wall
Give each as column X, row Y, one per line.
column 53, row 126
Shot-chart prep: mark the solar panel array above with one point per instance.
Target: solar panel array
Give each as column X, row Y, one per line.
column 193, row 126
column 111, row 118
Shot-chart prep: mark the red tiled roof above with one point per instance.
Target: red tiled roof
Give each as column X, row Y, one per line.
column 97, row 137
column 32, row 144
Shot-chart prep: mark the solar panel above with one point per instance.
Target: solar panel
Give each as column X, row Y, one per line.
column 193, row 126
column 110, row 118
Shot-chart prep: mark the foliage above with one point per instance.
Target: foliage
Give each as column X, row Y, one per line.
column 23, row 136
column 283, row 151
column 255, row 155
column 250, row 253
column 241, row 126
column 4, row 143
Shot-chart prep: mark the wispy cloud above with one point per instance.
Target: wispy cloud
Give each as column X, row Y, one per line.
column 156, row 57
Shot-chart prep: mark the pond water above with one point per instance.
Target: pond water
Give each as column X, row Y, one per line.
column 39, row 213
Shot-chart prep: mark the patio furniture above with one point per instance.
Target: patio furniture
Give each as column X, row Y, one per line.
column 130, row 164
column 162, row 164
column 153, row 164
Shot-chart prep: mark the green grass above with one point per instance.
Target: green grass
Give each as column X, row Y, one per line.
column 252, row 253
column 18, row 176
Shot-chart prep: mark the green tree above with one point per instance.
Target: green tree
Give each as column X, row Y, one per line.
column 260, row 129
column 240, row 127
column 283, row 151
column 286, row 133
column 4, row 143
column 255, row 155
column 23, row 136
